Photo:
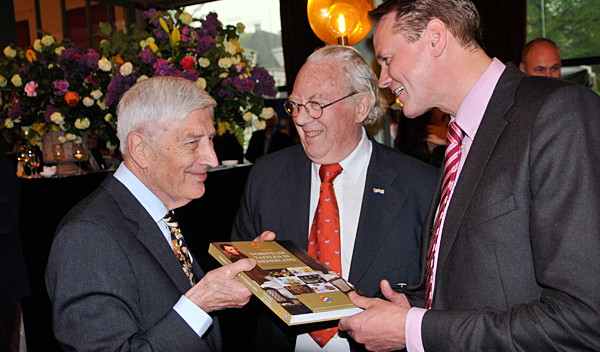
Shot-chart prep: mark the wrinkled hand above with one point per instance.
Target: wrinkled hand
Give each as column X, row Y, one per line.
column 219, row 288
column 381, row 326
column 266, row 236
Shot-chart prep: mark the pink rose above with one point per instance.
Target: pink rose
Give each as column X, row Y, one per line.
column 30, row 89
column 187, row 63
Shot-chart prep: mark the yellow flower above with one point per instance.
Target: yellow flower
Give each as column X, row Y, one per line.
column 223, row 127
column 30, row 55
column 39, row 127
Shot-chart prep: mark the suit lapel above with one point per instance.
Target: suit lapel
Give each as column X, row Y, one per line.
column 148, row 233
column 491, row 127
column 378, row 212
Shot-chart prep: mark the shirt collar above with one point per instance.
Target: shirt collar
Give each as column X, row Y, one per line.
column 149, row 200
column 470, row 113
column 355, row 162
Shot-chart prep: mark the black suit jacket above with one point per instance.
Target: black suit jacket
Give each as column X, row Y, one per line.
column 113, row 280
column 519, row 260
column 277, row 198
column 256, row 147
column 13, row 277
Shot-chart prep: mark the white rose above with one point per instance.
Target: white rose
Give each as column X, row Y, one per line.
column 83, row 123
column 3, row 81
column 141, row 78
column 236, row 59
column 143, row 44
column 201, row 82
column 223, row 75
column 87, row 101
column 247, row 116
column 16, row 80
column 57, row 118
column 96, row 94
column 62, row 139
column 225, row 62
column 70, row 136
column 78, row 140
column 108, row 117
column 8, row 123
column 230, row 48
column 47, row 40
column 37, row 45
column 151, row 39
column 186, row 18
column 110, row 146
column 104, row 64
column 58, row 51
column 10, row 52
column 203, row 62
column 260, row 125
column 267, row 113
column 126, row 69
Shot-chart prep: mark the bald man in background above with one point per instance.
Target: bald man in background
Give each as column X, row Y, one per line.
column 541, row 57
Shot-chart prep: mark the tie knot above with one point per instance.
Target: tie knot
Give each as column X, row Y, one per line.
column 455, row 134
column 328, row 173
column 170, row 219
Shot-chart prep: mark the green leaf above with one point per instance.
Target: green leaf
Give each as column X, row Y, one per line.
column 105, row 29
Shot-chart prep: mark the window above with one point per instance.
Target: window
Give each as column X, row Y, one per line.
column 261, row 39
column 574, row 25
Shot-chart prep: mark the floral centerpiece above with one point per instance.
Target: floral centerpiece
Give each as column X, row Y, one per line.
column 55, row 86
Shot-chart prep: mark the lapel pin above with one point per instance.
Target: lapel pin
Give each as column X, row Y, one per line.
column 379, row 190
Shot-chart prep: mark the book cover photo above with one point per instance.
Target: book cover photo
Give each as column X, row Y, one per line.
column 292, row 283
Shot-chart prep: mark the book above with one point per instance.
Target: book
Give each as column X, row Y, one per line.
column 293, row 284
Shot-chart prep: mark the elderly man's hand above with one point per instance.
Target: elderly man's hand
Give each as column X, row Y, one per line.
column 381, row 326
column 219, row 288
column 266, row 236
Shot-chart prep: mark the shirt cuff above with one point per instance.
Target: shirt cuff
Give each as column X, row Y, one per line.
column 412, row 330
column 195, row 317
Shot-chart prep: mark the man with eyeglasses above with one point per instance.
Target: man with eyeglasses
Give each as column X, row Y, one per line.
column 381, row 194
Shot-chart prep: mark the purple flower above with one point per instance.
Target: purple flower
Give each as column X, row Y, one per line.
column 160, row 34
column 61, row 86
column 149, row 14
column 204, row 44
column 185, row 34
column 191, row 75
column 49, row 111
column 225, row 93
column 265, row 84
column 24, row 70
column 148, row 56
column 210, row 25
column 67, row 56
column 88, row 62
column 17, row 110
column 117, row 87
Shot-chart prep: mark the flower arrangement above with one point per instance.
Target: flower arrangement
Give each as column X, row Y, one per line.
column 55, row 86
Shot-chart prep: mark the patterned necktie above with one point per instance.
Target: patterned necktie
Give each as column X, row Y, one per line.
column 179, row 246
column 452, row 160
column 324, row 240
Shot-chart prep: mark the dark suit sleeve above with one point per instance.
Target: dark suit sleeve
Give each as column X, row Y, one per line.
column 96, row 297
column 245, row 228
column 564, row 230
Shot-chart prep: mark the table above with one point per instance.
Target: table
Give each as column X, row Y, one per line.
column 44, row 202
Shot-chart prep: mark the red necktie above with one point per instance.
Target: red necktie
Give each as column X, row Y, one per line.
column 324, row 240
column 452, row 160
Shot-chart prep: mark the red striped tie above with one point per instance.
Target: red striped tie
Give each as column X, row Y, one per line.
column 324, row 239
column 452, row 160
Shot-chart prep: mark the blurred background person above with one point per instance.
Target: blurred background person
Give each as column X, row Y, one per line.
column 541, row 57
column 267, row 141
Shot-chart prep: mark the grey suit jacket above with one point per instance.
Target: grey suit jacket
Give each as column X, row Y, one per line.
column 519, row 260
column 113, row 280
column 277, row 197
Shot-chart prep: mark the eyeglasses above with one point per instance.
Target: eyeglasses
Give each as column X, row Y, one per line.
column 313, row 109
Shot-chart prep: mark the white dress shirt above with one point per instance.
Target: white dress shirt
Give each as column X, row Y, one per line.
column 349, row 187
column 193, row 315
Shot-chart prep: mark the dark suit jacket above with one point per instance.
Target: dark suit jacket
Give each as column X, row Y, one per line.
column 256, row 147
column 113, row 280
column 519, row 261
column 13, row 277
column 277, row 198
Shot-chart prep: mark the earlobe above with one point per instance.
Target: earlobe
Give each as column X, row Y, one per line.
column 362, row 110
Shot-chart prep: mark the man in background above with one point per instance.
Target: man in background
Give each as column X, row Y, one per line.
column 267, row 141
column 378, row 196
column 512, row 237
column 541, row 57
column 119, row 275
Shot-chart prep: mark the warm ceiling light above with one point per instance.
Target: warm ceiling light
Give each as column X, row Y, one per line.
column 342, row 22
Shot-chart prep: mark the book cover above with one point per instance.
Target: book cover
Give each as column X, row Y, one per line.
column 295, row 285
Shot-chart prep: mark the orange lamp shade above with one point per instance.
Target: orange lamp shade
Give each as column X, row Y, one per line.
column 342, row 22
